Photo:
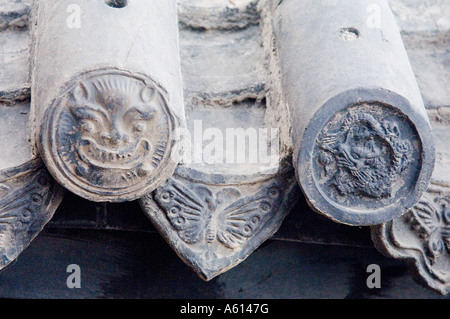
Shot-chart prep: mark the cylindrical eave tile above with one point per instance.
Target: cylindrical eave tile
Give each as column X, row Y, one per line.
column 107, row 94
column 363, row 148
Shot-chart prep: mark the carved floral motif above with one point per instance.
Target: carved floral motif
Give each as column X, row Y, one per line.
column 421, row 236
column 433, row 220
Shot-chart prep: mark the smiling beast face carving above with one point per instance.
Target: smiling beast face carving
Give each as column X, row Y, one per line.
column 111, row 133
column 115, row 121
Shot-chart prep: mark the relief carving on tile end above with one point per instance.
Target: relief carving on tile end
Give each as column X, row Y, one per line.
column 421, row 236
column 215, row 226
column 224, row 217
column 365, row 152
column 369, row 155
column 112, row 132
column 430, row 218
column 29, row 197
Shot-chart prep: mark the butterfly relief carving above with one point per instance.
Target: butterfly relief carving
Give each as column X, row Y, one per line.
column 200, row 215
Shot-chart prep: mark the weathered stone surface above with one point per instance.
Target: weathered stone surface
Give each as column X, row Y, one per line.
column 239, row 76
column 429, row 54
column 218, row 14
column 28, row 194
column 105, row 122
column 425, row 26
column 418, row 16
column 14, row 15
column 363, row 149
column 14, row 71
column 15, row 135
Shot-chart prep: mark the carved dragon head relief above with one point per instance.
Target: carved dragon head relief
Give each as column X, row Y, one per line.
column 367, row 155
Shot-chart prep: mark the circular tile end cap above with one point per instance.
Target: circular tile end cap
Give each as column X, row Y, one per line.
column 109, row 136
column 367, row 157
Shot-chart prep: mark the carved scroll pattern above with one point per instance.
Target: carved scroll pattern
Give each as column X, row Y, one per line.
column 28, row 202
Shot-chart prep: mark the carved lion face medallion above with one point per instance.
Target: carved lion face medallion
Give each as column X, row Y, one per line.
column 110, row 134
column 366, row 157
